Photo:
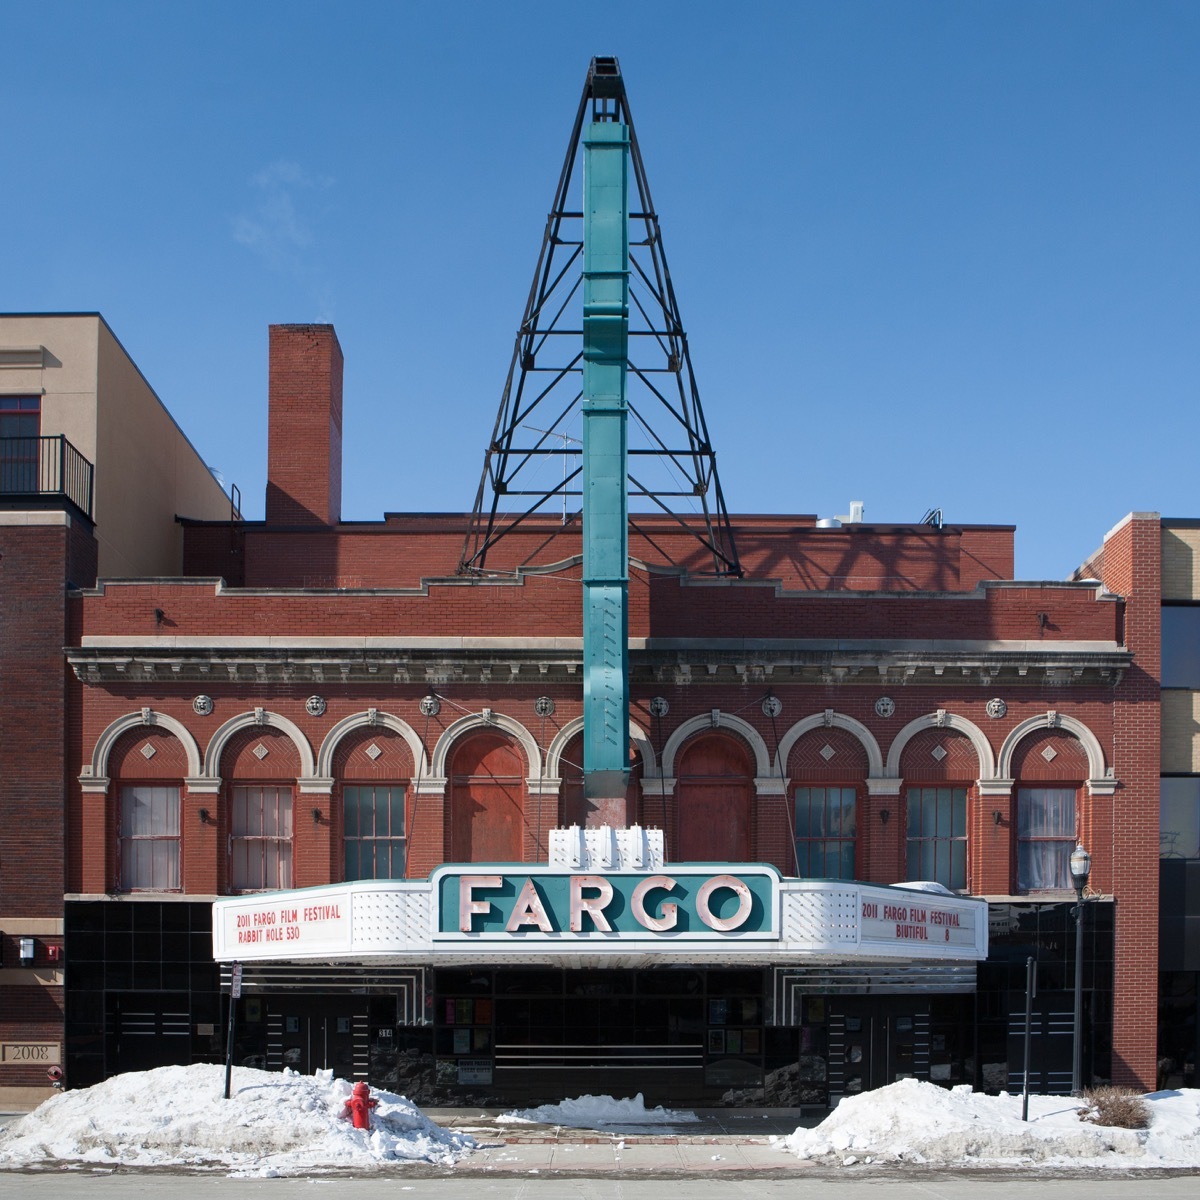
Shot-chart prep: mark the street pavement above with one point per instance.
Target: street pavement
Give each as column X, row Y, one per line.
column 396, row 1185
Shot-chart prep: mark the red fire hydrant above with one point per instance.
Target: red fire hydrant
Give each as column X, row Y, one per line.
column 358, row 1107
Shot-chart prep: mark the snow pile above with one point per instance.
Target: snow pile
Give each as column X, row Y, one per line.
column 178, row 1116
column 917, row 1122
column 590, row 1112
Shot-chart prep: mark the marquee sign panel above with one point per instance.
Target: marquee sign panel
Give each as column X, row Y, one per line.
column 693, row 902
column 514, row 912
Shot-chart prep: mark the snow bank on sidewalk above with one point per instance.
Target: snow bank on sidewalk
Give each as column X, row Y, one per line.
column 917, row 1122
column 588, row 1112
column 272, row 1124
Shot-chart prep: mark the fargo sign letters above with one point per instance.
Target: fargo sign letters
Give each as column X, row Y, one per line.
column 687, row 902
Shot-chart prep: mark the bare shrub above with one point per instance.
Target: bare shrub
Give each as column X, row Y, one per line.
column 1120, row 1107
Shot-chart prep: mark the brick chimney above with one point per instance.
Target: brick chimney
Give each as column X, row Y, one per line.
column 304, row 431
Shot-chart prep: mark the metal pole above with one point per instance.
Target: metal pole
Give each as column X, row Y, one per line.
column 1030, row 992
column 1077, row 1056
column 235, row 991
column 606, row 469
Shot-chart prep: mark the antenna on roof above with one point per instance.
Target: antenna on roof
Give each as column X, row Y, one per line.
column 672, row 466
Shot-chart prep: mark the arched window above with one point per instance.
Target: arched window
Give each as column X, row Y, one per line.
column 827, row 768
column 487, row 800
column 375, row 767
column 1050, row 768
column 262, row 765
column 939, row 766
column 260, row 837
column 148, row 765
column 714, row 795
column 149, row 846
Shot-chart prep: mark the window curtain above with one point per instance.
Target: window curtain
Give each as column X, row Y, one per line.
column 261, row 842
column 1046, row 837
column 149, row 838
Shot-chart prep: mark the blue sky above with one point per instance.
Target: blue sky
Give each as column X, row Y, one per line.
column 928, row 254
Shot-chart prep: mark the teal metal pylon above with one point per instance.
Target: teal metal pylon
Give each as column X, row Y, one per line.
column 601, row 322
column 534, row 460
column 605, row 462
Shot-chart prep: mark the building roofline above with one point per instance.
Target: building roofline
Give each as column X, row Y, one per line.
column 133, row 362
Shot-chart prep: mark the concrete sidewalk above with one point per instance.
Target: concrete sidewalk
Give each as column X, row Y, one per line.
column 734, row 1140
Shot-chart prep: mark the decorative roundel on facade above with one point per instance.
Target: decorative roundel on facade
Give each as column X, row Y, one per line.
column 544, row 706
column 430, row 706
column 315, row 706
column 885, row 706
column 772, row 706
column 659, row 706
column 996, row 707
column 202, row 705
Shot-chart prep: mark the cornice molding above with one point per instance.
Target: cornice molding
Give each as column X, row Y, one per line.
column 441, row 661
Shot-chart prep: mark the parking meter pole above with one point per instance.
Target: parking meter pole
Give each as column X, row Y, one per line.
column 235, row 991
column 1030, row 992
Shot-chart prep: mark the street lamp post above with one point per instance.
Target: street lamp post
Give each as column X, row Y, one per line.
column 1081, row 865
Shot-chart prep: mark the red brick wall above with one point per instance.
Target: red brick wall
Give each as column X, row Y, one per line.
column 848, row 762
column 549, row 606
column 33, row 566
column 304, row 431
column 31, row 1013
column 1122, row 834
column 36, row 561
column 407, row 548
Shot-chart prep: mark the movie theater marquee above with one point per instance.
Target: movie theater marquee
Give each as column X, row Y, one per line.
column 691, row 911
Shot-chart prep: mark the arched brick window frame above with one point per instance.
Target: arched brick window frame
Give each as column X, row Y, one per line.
column 487, row 818
column 537, row 800
column 148, row 766
column 489, row 720
column 1042, row 757
column 827, row 768
column 261, row 817
column 942, row 719
column 941, row 757
column 371, row 719
column 372, row 807
column 717, row 720
column 767, row 786
column 1100, row 779
column 101, row 798
column 258, row 718
column 714, row 799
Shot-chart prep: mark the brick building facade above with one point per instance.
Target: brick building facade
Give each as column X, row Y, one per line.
column 77, row 496
column 1155, row 563
column 308, row 700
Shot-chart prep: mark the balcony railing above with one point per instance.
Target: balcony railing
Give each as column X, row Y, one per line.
column 45, row 467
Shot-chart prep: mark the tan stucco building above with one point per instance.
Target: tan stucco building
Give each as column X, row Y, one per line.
column 69, row 372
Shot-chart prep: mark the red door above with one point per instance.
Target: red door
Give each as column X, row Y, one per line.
column 714, row 789
column 487, row 801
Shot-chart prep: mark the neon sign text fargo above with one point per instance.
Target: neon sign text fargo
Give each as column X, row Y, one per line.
column 697, row 901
